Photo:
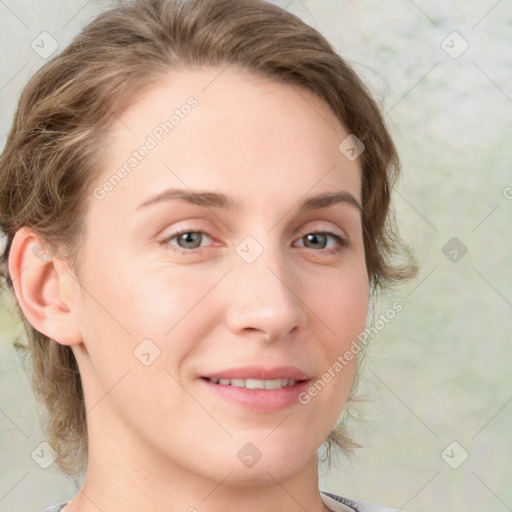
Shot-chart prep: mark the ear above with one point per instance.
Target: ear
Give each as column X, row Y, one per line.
column 45, row 289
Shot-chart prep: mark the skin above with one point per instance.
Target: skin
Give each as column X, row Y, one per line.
column 159, row 439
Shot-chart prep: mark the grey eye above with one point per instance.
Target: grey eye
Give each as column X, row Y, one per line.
column 316, row 239
column 190, row 240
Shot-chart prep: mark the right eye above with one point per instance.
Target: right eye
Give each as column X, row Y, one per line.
column 187, row 241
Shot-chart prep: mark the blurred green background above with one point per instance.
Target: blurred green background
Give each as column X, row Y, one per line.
column 437, row 432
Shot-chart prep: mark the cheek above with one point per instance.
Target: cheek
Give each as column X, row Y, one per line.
column 344, row 306
column 136, row 309
column 343, row 302
column 145, row 297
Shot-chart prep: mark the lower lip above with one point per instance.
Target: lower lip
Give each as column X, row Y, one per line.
column 260, row 400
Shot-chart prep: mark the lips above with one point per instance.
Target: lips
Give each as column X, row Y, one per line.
column 259, row 389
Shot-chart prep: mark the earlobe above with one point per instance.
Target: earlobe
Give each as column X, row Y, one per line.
column 43, row 289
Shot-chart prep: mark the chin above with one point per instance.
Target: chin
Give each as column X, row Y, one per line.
column 273, row 462
column 247, row 465
column 263, row 473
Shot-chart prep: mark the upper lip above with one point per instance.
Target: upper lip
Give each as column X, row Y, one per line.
column 261, row 373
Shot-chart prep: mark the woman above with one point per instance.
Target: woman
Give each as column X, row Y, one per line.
column 196, row 201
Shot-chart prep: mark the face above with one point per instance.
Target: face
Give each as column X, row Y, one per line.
column 210, row 270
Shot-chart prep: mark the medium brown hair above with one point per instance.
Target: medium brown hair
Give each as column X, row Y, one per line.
column 53, row 152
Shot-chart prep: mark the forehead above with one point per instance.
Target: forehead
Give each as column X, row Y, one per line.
column 227, row 128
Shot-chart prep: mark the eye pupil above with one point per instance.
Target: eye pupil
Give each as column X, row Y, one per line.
column 192, row 240
column 314, row 237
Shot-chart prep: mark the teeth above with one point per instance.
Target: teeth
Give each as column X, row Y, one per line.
column 255, row 383
column 275, row 384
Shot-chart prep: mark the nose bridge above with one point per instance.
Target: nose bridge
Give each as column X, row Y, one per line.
column 266, row 297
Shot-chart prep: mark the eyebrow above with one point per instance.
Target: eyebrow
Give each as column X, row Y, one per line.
column 218, row 200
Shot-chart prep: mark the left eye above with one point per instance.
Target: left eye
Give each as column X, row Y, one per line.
column 320, row 238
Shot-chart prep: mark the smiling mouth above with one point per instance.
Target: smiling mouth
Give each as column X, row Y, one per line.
column 254, row 383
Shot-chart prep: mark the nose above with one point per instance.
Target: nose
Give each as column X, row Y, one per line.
column 264, row 298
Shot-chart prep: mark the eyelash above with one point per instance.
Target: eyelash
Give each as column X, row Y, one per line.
column 343, row 242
